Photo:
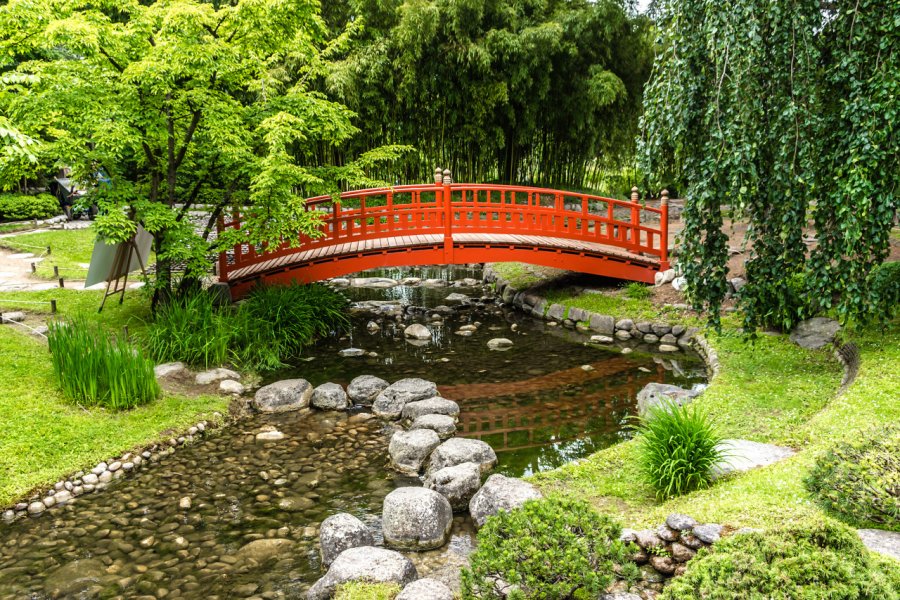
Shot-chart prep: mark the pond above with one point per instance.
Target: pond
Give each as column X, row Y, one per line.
column 547, row 400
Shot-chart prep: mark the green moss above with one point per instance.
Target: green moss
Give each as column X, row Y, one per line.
column 358, row 590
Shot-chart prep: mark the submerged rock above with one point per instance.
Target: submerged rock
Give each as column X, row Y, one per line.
column 341, row 532
column 500, row 493
column 364, row 563
column 416, row 518
column 283, row 396
column 260, row 551
column 80, row 578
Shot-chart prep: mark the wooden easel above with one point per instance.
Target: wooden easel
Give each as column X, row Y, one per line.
column 119, row 271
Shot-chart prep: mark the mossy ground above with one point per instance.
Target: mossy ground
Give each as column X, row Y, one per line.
column 359, row 590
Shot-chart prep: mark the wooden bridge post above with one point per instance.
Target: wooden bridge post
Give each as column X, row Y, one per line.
column 223, row 259
column 635, row 220
column 448, row 217
column 664, row 231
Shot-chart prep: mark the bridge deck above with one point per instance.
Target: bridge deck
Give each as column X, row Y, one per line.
column 374, row 246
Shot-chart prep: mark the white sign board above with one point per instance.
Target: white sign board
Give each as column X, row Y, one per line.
column 103, row 258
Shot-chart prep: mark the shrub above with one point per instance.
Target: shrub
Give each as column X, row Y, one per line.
column 93, row 368
column 637, row 291
column 812, row 559
column 20, row 207
column 886, row 290
column 860, row 481
column 273, row 325
column 678, row 448
column 550, row 548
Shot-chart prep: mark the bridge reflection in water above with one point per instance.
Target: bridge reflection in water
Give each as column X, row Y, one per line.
column 569, row 414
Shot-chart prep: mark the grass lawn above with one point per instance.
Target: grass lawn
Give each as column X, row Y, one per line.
column 44, row 436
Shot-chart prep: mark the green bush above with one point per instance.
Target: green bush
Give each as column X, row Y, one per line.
column 637, row 291
column 810, row 560
column 361, row 590
column 273, row 325
column 20, row 207
column 886, row 290
column 678, row 448
column 860, row 481
column 550, row 548
column 94, row 369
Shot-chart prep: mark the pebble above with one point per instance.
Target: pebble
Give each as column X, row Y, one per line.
column 185, row 503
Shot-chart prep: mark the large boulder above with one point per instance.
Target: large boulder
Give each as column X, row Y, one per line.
column 330, row 396
column 410, row 449
column 390, row 402
column 500, row 493
column 654, row 394
column 283, row 396
column 364, row 389
column 415, row 518
column 341, row 532
column 443, row 425
column 815, row 333
column 457, row 483
column 426, row 589
column 457, row 451
column 365, row 563
column 431, row 406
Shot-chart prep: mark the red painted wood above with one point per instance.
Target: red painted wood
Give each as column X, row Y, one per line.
column 397, row 226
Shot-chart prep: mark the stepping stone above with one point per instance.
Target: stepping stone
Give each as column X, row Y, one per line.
column 881, row 541
column 743, row 455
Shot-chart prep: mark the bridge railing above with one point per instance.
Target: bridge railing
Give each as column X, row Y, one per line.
column 448, row 208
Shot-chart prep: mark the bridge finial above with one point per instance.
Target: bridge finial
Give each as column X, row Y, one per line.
column 437, row 175
column 664, row 198
column 635, row 196
column 448, row 179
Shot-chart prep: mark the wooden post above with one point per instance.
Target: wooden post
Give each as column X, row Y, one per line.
column 223, row 259
column 448, row 217
column 33, row 267
column 52, row 307
column 48, row 250
column 664, row 231
column 61, row 284
column 635, row 220
column 56, row 272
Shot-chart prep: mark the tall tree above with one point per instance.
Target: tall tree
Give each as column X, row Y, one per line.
column 783, row 111
column 178, row 102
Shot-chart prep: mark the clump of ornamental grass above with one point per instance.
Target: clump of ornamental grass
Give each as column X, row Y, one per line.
column 678, row 447
column 94, row 368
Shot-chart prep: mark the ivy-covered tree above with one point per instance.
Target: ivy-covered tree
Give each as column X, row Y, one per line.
column 784, row 114
column 180, row 102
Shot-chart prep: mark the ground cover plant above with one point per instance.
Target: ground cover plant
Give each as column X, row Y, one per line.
column 23, row 207
column 70, row 251
column 550, row 548
column 859, row 480
column 94, row 368
column 361, row 590
column 273, row 324
column 816, row 558
column 678, row 447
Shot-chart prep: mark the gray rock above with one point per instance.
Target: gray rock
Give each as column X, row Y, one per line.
column 709, row 533
column 269, row 436
column 36, row 508
column 668, row 339
column 417, row 331
column 664, row 277
column 170, row 370
column 815, row 333
column 373, row 327
column 341, row 532
column 416, row 518
column 539, row 308
column 364, row 563
column 352, row 352
column 621, row 595
column 647, row 539
column 644, row 326
column 410, row 449
column 881, row 541
column 737, row 283
column 650, row 338
column 666, row 534
column 230, row 386
column 457, row 297
column 654, row 394
column 680, row 522
column 215, row 375
column 435, row 283
column 364, row 389
column 625, row 324
column 623, row 335
column 390, row 402
column 500, row 493
column 601, row 339
column 443, row 425
column 330, row 396
column 578, row 314
column 679, row 283
column 660, row 329
column 667, row 348
column 499, row 344
column 15, row 316
column 283, row 396
column 425, row 589
column 84, row 577
column 457, row 483
column 556, row 312
column 682, row 553
column 457, row 451
column 743, row 455
column 603, row 324
column 431, row 406
column 373, row 282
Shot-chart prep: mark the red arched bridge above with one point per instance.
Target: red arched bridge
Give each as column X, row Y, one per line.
column 461, row 223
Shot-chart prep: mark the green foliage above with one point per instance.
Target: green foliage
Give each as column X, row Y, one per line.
column 550, row 548
column 812, row 559
column 271, row 326
column 21, row 207
column 361, row 590
column 638, row 291
column 860, row 480
column 95, row 369
column 886, row 291
column 765, row 106
column 677, row 449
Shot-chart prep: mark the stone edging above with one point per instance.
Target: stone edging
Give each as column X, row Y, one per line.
column 98, row 478
column 669, row 337
column 848, row 356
